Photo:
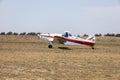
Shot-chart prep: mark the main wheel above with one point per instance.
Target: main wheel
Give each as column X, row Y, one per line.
column 93, row 48
column 50, row 46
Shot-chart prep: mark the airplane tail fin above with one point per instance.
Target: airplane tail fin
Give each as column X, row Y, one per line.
column 91, row 38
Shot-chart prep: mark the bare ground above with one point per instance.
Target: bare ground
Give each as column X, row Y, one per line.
column 28, row 58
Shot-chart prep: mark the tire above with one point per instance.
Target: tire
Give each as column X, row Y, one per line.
column 93, row 48
column 50, row 46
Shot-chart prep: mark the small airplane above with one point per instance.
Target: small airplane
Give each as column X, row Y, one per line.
column 68, row 39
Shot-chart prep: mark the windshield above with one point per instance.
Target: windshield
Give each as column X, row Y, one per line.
column 66, row 34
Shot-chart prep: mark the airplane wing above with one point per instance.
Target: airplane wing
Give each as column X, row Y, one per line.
column 46, row 37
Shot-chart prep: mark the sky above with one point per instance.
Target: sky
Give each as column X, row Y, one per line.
column 57, row 16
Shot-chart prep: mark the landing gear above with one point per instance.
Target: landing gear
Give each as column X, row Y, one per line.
column 50, row 46
column 93, row 48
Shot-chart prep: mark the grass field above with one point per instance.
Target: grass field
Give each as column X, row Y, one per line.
column 28, row 58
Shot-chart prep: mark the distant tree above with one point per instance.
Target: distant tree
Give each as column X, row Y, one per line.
column 108, row 34
column 38, row 33
column 9, row 33
column 85, row 35
column 113, row 35
column 117, row 35
column 98, row 35
column 24, row 33
column 2, row 33
column 78, row 35
column 32, row 33
column 15, row 33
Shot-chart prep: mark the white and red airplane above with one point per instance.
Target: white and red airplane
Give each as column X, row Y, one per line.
column 68, row 39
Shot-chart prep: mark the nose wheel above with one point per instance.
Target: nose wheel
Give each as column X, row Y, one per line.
column 50, row 46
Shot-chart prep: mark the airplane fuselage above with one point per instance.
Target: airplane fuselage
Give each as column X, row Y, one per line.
column 68, row 39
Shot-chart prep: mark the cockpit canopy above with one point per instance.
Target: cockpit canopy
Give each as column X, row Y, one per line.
column 66, row 34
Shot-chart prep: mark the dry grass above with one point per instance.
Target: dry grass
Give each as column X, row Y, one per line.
column 30, row 59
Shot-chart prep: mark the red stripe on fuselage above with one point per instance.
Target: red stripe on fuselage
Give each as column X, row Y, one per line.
column 77, row 41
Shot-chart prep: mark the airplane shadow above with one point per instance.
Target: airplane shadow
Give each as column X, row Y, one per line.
column 65, row 48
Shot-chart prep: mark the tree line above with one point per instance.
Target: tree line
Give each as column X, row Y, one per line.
column 99, row 35
column 108, row 34
column 23, row 33
column 34, row 33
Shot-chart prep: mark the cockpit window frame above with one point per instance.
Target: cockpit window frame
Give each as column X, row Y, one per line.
column 67, row 34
